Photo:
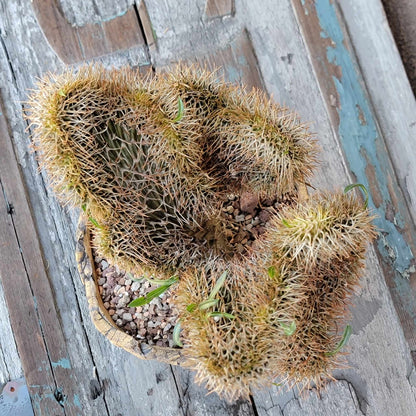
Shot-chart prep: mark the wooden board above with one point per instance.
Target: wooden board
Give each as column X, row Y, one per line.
column 262, row 45
column 76, row 44
column 219, row 8
column 10, row 365
column 365, row 151
column 21, row 301
column 402, row 17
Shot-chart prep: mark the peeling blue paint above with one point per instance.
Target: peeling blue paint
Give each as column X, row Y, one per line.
column 361, row 142
column 77, row 401
column 233, row 74
column 242, row 60
column 62, row 363
column 304, row 5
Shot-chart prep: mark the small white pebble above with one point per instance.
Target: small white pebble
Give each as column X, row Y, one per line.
column 127, row 317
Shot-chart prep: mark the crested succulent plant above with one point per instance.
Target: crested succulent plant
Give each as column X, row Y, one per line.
column 250, row 140
column 318, row 247
column 287, row 301
column 226, row 343
column 112, row 146
column 151, row 162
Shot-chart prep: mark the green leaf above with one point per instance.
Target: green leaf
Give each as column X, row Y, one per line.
column 277, row 384
column 288, row 329
column 162, row 282
column 135, row 279
column 209, row 303
column 148, row 297
column 344, row 340
column 216, row 314
column 61, row 93
column 180, row 111
column 176, row 334
column 218, row 285
column 271, row 271
column 94, row 222
column 362, row 187
column 190, row 308
column 285, row 223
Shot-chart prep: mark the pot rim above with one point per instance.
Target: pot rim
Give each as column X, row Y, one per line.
column 100, row 316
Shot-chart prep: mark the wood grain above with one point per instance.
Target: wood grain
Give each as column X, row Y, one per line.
column 10, row 365
column 219, row 8
column 75, row 44
column 22, row 300
column 365, row 150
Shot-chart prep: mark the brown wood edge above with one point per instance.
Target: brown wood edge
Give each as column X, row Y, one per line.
column 76, row 44
column 100, row 316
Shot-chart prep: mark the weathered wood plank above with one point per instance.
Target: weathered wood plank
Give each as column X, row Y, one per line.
column 402, row 18
column 384, row 75
column 20, row 299
column 81, row 13
column 365, row 150
column 76, row 44
column 219, row 8
column 196, row 402
column 236, row 63
column 147, row 26
column 10, row 366
column 338, row 398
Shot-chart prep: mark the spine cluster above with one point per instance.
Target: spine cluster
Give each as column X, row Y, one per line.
column 151, row 160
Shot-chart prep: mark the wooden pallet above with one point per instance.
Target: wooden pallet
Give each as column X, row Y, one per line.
column 336, row 64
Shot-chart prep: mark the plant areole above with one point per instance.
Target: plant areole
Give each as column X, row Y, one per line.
column 152, row 162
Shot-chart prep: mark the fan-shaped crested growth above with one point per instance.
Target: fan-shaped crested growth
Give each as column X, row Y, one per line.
column 264, row 145
column 321, row 244
column 250, row 140
column 112, row 146
column 326, row 227
column 143, row 159
column 226, row 343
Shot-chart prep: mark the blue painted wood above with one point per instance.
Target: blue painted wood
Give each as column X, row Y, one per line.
column 365, row 152
column 362, row 142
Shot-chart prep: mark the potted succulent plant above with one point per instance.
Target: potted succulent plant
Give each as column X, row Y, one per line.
column 199, row 187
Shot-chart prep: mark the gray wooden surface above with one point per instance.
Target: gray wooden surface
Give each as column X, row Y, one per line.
column 261, row 43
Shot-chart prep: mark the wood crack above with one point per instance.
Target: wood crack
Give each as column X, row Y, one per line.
column 9, row 62
column 183, row 403
column 357, row 396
